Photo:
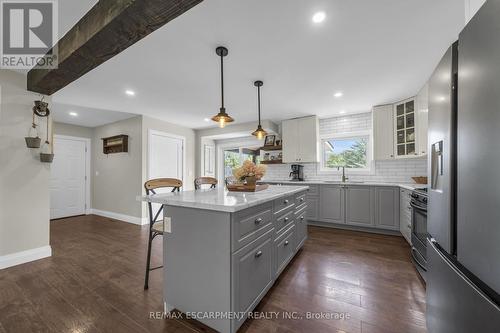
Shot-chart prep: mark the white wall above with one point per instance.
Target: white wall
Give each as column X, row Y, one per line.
column 395, row 171
column 24, row 180
column 73, row 130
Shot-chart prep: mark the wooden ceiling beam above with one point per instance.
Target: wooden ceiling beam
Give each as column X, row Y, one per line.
column 107, row 29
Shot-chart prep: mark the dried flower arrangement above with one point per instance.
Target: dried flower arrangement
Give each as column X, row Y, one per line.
column 249, row 171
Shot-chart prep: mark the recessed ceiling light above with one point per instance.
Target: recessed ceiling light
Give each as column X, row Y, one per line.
column 207, row 119
column 73, row 114
column 130, row 92
column 338, row 94
column 319, row 17
column 342, row 111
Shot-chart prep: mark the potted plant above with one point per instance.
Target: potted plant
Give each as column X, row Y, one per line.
column 249, row 173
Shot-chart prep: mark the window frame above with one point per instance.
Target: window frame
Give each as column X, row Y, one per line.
column 322, row 169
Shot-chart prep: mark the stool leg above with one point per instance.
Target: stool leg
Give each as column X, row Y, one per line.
column 148, row 261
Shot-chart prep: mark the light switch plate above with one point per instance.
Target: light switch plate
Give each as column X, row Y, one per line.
column 167, row 224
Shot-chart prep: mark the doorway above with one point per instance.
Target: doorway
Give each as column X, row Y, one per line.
column 70, row 177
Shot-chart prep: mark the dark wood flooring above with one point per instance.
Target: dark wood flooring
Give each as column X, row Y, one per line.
column 94, row 283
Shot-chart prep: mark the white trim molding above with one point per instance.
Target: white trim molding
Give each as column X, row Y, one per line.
column 22, row 257
column 121, row 217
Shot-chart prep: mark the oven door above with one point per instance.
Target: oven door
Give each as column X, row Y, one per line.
column 419, row 234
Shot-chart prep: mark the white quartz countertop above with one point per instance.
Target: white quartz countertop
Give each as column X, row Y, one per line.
column 220, row 199
column 408, row 186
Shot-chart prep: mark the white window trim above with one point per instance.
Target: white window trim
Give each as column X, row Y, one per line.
column 369, row 170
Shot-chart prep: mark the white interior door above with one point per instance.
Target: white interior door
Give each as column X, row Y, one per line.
column 67, row 178
column 166, row 159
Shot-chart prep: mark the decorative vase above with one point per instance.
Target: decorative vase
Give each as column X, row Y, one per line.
column 251, row 180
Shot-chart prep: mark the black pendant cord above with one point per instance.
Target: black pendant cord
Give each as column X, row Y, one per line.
column 222, row 81
column 258, row 97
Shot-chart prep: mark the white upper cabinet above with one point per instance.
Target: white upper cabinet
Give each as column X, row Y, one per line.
column 422, row 119
column 383, row 132
column 300, row 140
column 405, row 128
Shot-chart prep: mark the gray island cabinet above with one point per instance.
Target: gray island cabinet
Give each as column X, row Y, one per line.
column 226, row 249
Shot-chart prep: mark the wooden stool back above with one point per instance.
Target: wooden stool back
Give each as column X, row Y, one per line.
column 205, row 181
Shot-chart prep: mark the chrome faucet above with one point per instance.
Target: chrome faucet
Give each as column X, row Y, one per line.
column 344, row 178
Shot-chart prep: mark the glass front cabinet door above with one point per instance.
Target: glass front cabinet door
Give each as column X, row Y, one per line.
column 405, row 130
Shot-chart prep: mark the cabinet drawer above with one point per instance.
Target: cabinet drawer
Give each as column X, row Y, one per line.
column 300, row 199
column 300, row 227
column 283, row 204
column 248, row 226
column 285, row 248
column 252, row 272
column 283, row 221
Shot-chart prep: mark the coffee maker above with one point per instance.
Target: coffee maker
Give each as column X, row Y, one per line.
column 297, row 173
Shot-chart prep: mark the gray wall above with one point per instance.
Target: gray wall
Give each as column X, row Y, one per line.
column 117, row 177
column 24, row 180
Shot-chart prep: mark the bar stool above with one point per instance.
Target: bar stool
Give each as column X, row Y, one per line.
column 155, row 226
column 205, row 181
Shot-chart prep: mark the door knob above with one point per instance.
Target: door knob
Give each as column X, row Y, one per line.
column 258, row 254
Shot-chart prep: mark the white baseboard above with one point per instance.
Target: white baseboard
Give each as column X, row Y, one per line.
column 121, row 217
column 22, row 257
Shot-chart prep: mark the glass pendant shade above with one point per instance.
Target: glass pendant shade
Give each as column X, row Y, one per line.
column 259, row 133
column 222, row 118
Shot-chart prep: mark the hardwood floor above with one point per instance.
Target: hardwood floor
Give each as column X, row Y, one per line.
column 94, row 283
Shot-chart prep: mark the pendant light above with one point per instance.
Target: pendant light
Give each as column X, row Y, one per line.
column 222, row 117
column 259, row 132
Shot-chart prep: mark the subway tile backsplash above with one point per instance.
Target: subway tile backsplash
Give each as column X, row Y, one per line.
column 392, row 171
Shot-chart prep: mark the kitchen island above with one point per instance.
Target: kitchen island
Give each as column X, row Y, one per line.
column 225, row 249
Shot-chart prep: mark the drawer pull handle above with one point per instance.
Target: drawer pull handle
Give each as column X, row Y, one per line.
column 286, row 243
column 285, row 202
column 258, row 221
column 258, row 254
column 286, row 219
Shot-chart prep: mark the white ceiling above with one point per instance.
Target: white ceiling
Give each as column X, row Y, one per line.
column 373, row 51
column 88, row 117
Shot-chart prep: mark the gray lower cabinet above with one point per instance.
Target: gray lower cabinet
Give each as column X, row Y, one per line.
column 253, row 272
column 387, row 208
column 312, row 208
column 360, row 205
column 301, row 227
column 331, row 204
column 285, row 249
column 405, row 211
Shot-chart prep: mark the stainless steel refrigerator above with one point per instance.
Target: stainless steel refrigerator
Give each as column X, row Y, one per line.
column 463, row 249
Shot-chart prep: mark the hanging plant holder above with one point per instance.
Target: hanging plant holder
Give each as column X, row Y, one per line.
column 47, row 157
column 33, row 141
column 41, row 108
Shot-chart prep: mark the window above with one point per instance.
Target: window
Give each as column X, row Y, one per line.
column 351, row 152
column 234, row 158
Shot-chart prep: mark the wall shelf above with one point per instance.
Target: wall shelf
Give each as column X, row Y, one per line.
column 271, row 148
column 272, row 162
column 115, row 144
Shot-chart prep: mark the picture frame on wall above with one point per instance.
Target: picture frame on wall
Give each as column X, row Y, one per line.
column 269, row 140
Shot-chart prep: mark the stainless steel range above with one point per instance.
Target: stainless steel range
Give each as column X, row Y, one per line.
column 419, row 230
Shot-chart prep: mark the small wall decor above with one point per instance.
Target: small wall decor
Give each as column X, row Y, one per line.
column 115, row 144
column 269, row 141
column 41, row 108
